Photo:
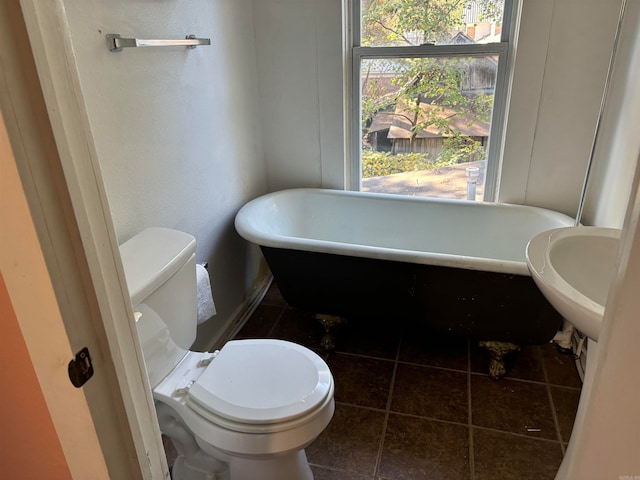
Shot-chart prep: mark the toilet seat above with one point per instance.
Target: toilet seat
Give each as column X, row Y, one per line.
column 236, row 438
column 264, row 385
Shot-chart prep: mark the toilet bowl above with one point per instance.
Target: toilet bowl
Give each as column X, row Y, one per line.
column 256, row 404
column 244, row 412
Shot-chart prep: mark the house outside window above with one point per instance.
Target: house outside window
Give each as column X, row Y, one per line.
column 429, row 93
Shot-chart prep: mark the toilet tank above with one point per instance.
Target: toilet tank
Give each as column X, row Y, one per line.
column 160, row 269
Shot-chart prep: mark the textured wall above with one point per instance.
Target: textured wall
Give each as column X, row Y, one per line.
column 299, row 54
column 177, row 130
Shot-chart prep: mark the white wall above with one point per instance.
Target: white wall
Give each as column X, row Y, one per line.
column 299, row 50
column 562, row 57
column 177, row 130
column 618, row 144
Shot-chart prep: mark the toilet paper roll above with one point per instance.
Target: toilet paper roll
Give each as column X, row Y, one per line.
column 206, row 307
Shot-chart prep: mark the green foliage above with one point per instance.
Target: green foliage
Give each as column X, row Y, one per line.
column 374, row 98
column 461, row 149
column 424, row 93
column 457, row 149
column 378, row 164
column 409, row 22
column 416, row 22
column 414, row 82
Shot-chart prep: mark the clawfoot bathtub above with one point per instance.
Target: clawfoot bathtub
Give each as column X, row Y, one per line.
column 457, row 266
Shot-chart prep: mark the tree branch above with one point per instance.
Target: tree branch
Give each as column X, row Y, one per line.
column 393, row 31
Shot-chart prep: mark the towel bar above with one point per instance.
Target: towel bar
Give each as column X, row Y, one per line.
column 116, row 43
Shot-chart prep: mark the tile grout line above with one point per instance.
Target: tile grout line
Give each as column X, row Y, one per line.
column 472, row 469
column 470, row 371
column 368, row 357
column 283, row 309
column 514, row 434
column 525, row 380
column 376, row 466
column 330, row 468
column 449, row 422
column 411, row 415
column 554, row 414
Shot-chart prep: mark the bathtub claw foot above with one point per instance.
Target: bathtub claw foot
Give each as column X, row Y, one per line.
column 498, row 350
column 328, row 341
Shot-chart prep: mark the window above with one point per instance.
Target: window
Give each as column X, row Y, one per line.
column 429, row 81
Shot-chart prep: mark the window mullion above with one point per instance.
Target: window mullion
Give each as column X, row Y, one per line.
column 467, row 50
column 356, row 24
column 356, row 122
column 497, row 130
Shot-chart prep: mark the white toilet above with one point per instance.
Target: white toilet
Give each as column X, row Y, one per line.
column 245, row 412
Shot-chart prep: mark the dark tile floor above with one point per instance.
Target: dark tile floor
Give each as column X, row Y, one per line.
column 410, row 405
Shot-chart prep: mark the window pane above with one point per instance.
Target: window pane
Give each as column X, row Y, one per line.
column 439, row 22
column 425, row 125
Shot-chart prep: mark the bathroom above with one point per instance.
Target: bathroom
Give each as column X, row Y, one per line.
column 184, row 140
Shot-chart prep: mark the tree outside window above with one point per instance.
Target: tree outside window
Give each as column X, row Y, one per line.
column 428, row 71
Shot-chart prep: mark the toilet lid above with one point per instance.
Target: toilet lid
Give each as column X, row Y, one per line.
column 262, row 381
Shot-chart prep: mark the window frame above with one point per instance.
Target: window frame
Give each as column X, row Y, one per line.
column 500, row 49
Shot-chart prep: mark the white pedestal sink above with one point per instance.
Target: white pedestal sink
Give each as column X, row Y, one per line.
column 573, row 268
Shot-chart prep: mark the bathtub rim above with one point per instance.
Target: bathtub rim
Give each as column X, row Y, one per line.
column 247, row 229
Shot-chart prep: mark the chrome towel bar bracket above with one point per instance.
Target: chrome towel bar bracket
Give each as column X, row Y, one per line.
column 116, row 43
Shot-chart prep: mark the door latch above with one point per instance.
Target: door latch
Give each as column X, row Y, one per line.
column 80, row 368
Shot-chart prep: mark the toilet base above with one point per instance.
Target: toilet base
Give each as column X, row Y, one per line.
column 293, row 466
column 200, row 461
column 199, row 467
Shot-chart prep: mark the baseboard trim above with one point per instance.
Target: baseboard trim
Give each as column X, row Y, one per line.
column 242, row 314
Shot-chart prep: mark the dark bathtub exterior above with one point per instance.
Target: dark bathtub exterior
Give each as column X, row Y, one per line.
column 483, row 305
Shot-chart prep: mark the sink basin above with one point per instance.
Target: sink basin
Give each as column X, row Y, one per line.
column 573, row 267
